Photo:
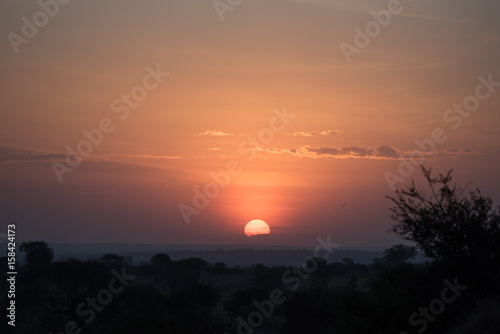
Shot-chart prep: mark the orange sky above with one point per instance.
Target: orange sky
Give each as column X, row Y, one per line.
column 353, row 121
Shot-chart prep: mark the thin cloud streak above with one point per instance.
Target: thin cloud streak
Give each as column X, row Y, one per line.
column 216, row 133
column 314, row 133
column 36, row 157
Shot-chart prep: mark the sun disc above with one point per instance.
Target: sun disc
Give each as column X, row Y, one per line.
column 256, row 227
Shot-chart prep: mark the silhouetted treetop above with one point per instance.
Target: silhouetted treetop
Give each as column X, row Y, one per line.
column 160, row 259
column 37, row 252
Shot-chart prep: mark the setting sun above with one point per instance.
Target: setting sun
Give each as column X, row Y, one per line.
column 256, row 227
column 132, row 157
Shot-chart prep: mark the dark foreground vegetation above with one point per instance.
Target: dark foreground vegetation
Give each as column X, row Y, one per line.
column 457, row 291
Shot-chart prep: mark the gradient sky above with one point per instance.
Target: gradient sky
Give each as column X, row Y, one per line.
column 353, row 121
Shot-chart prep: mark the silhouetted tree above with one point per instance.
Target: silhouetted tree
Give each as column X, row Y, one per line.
column 447, row 225
column 51, row 298
column 461, row 233
column 160, row 259
column 37, row 252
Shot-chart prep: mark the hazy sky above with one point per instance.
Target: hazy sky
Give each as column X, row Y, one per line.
column 363, row 80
